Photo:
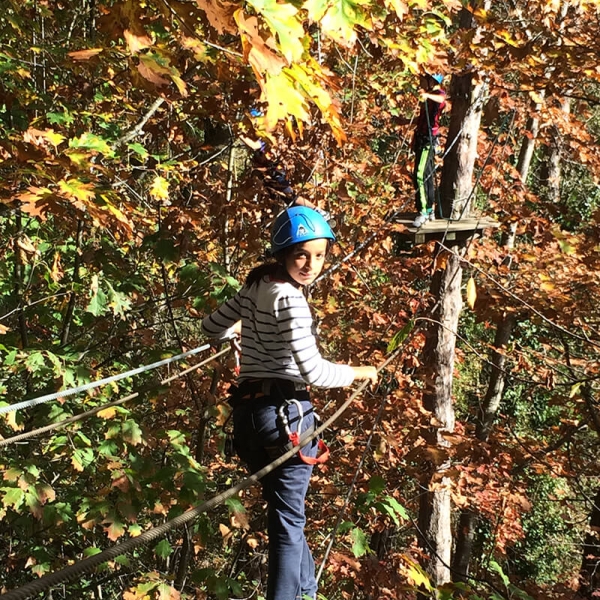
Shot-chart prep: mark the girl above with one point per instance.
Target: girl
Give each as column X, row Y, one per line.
column 280, row 359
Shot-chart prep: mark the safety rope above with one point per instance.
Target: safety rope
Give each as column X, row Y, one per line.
column 93, row 411
column 73, row 571
column 100, row 382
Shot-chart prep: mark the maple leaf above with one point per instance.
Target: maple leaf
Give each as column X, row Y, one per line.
column 282, row 20
column 115, row 530
column 219, row 15
column 77, row 190
column 258, row 53
column 339, row 19
column 160, row 188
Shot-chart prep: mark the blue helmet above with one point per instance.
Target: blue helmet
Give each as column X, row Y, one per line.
column 296, row 225
column 438, row 78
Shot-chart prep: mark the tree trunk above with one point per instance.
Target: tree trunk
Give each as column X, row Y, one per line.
column 468, row 98
column 456, row 189
column 435, row 506
column 529, row 139
column 64, row 335
column 493, row 396
column 553, row 164
column 18, row 281
column 589, row 575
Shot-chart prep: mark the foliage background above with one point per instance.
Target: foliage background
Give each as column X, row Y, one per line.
column 129, row 208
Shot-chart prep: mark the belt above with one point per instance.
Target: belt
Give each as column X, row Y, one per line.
column 284, row 388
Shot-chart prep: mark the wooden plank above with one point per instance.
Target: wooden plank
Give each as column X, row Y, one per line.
column 444, row 229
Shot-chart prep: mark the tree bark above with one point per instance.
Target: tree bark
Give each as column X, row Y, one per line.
column 529, row 139
column 589, row 574
column 553, row 164
column 64, row 334
column 468, row 519
column 435, row 506
column 18, row 281
column 456, row 189
column 468, row 98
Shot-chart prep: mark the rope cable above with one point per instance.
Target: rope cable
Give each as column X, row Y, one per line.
column 94, row 384
column 72, row 571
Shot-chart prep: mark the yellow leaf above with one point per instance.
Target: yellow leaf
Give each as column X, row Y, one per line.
column 56, row 273
column 107, row 413
column 76, row 463
column 3, row 329
column 547, row 286
column 136, row 42
column 54, row 137
column 160, row 188
column 418, row 576
column 471, row 292
column 11, row 420
column 284, row 100
column 75, row 188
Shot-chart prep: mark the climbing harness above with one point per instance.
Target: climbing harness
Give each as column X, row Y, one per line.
column 294, row 436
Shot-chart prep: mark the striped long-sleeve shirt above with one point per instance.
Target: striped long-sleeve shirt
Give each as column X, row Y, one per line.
column 277, row 336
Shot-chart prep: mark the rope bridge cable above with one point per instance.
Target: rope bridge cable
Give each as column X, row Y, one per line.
column 73, row 571
column 93, row 411
column 94, row 384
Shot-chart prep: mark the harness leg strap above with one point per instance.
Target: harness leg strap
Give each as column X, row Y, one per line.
column 294, row 437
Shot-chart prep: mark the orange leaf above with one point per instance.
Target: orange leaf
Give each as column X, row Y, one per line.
column 149, row 69
column 85, row 54
column 114, row 531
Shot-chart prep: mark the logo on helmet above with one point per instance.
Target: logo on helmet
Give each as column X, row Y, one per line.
column 301, row 231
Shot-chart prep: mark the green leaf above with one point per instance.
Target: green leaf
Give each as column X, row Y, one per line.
column 84, row 438
column 91, row 141
column 92, row 551
column 35, row 361
column 117, row 301
column 399, row 337
column 82, row 458
column 138, row 149
column 359, row 542
column 377, row 484
column 13, row 497
column 163, row 549
column 98, row 303
column 283, row 20
column 397, row 507
column 60, row 118
column 131, row 432
column 494, row 566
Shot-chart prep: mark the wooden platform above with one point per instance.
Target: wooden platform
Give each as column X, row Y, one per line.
column 443, row 229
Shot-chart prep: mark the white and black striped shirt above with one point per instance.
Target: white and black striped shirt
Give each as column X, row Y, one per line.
column 277, row 336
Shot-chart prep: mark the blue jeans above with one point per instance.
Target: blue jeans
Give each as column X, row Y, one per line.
column 258, row 438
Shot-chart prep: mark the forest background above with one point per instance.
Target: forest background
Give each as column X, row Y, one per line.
column 129, row 208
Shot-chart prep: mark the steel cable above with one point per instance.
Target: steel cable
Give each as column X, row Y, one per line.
column 94, row 384
column 93, row 411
